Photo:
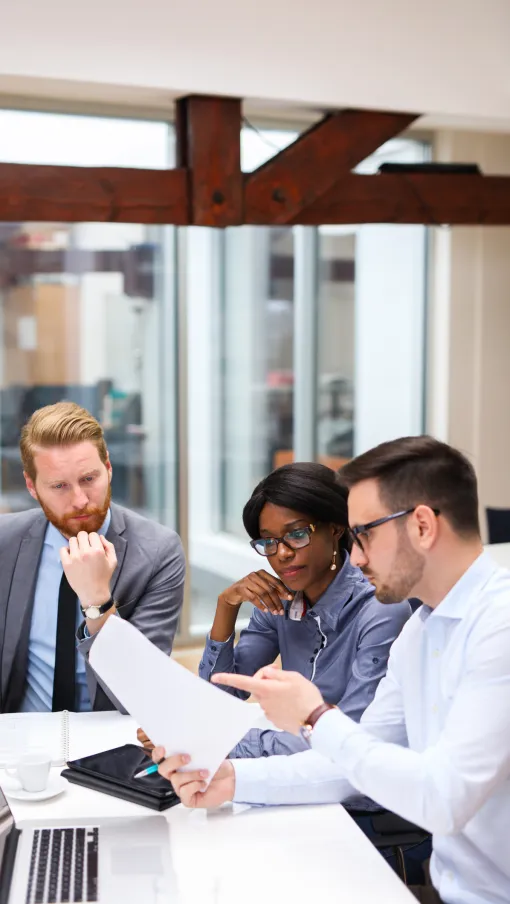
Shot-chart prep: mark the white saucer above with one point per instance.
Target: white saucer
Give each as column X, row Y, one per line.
column 56, row 785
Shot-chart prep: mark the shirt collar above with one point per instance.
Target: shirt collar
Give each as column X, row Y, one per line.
column 54, row 538
column 336, row 595
column 457, row 601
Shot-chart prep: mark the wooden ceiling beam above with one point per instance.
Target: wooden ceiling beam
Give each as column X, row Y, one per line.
column 209, row 148
column 280, row 190
column 311, row 182
column 74, row 194
column 429, row 199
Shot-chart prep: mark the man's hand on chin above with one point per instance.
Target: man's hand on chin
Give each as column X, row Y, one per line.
column 192, row 787
column 89, row 562
column 287, row 698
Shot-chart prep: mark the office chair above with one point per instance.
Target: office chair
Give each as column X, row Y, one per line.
column 389, row 832
column 498, row 524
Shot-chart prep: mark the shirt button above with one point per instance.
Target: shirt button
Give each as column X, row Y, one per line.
column 213, row 647
column 311, row 660
column 315, row 651
column 435, row 708
column 436, row 654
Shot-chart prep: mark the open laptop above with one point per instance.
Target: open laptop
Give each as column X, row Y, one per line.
column 107, row 861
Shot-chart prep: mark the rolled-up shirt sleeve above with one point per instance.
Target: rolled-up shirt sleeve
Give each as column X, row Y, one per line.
column 218, row 656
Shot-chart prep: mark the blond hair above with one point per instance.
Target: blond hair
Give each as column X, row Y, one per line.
column 62, row 424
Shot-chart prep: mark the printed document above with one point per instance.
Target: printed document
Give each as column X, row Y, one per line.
column 176, row 709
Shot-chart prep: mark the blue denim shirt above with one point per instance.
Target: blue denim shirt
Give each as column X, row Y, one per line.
column 342, row 645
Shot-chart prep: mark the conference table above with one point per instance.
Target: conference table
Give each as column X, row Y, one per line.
column 235, row 854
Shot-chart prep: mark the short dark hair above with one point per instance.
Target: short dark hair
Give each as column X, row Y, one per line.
column 418, row 470
column 305, row 486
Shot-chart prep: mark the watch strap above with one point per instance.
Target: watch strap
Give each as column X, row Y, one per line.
column 104, row 607
column 315, row 715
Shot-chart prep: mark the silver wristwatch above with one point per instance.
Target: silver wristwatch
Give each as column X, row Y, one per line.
column 94, row 612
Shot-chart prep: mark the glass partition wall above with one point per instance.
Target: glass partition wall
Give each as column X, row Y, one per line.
column 210, row 357
column 303, row 344
column 87, row 313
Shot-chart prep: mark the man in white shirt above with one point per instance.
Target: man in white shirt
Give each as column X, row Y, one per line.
column 434, row 746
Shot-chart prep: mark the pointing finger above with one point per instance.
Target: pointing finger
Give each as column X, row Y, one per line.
column 240, row 682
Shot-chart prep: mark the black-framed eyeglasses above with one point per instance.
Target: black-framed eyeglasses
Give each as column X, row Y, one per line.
column 357, row 533
column 294, row 539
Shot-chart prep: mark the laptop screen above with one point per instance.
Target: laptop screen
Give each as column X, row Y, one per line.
column 7, row 849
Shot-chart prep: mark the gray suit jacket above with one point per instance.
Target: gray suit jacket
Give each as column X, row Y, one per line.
column 147, row 586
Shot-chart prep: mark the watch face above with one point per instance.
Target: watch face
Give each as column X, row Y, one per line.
column 92, row 612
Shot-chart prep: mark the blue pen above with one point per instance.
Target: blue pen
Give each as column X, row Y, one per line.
column 149, row 771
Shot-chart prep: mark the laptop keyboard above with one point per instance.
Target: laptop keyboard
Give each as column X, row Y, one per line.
column 63, row 866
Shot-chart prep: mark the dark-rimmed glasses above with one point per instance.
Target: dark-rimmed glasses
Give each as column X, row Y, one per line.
column 294, row 539
column 356, row 533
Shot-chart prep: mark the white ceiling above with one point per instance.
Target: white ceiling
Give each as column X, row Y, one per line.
column 449, row 60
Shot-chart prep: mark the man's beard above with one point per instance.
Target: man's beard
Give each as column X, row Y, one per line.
column 69, row 528
column 406, row 572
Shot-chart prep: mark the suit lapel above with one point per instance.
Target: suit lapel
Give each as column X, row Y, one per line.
column 115, row 535
column 21, row 596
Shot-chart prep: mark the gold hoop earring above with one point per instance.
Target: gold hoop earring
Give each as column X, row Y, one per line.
column 332, row 567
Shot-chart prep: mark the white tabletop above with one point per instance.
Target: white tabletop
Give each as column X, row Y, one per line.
column 241, row 855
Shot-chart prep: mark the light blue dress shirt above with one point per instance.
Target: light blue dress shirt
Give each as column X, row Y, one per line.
column 43, row 630
column 434, row 746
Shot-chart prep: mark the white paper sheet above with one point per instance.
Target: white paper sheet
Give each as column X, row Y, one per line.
column 176, row 709
column 93, row 732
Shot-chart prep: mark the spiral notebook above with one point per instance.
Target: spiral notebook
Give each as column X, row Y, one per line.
column 63, row 735
column 30, row 732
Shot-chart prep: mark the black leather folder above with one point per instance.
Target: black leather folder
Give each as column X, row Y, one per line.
column 113, row 771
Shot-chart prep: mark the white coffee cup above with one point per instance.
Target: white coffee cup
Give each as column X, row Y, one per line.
column 32, row 771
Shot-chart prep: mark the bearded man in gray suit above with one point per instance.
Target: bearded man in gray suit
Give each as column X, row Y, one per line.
column 69, row 565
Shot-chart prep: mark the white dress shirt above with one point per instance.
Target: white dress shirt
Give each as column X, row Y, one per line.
column 434, row 746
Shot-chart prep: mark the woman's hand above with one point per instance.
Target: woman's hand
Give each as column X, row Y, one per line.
column 144, row 740
column 264, row 590
column 192, row 787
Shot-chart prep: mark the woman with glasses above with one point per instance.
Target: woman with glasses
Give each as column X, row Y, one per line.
column 313, row 609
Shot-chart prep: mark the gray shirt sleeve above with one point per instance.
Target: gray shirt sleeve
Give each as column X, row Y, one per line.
column 266, row 742
column 258, row 646
column 380, row 625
